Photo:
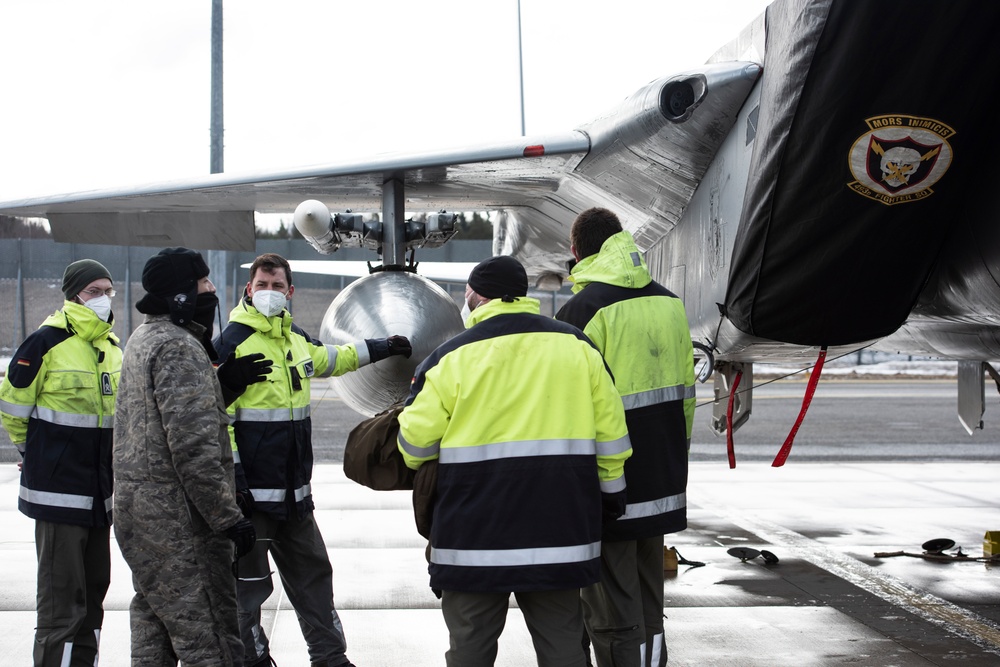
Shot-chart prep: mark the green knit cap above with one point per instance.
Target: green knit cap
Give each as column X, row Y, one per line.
column 81, row 273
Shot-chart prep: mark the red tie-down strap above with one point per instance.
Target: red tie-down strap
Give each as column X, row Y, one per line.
column 730, row 449
column 786, row 448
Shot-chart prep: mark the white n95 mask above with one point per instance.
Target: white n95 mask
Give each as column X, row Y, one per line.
column 101, row 305
column 269, row 302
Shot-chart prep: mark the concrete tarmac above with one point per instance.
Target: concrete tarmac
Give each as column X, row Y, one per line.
column 827, row 601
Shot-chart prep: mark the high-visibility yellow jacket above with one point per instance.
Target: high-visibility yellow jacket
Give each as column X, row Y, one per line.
column 524, row 419
column 57, row 403
column 641, row 329
column 270, row 424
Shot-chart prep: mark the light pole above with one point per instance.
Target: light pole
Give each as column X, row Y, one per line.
column 217, row 259
column 520, row 63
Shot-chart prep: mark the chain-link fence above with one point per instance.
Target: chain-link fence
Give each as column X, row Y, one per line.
column 31, row 279
column 31, row 286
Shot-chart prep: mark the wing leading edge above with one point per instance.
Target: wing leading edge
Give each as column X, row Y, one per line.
column 665, row 134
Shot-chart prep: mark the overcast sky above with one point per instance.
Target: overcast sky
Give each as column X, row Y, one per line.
column 104, row 93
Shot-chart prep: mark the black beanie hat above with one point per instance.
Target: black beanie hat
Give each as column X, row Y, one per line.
column 170, row 279
column 172, row 271
column 500, row 277
column 81, row 273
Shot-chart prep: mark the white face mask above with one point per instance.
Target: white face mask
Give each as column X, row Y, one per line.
column 467, row 308
column 269, row 302
column 101, row 305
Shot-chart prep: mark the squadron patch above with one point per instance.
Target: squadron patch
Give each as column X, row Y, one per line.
column 899, row 158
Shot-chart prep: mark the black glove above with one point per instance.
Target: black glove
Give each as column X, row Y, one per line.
column 612, row 505
column 244, row 500
column 238, row 373
column 382, row 348
column 243, row 535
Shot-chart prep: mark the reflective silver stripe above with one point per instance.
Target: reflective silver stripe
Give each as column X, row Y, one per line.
column 655, row 649
column 516, row 557
column 57, row 499
column 419, row 452
column 654, row 507
column 15, row 410
column 69, row 418
column 67, row 655
column 363, row 357
column 109, row 504
column 236, row 456
column 331, row 365
column 635, row 259
column 613, row 485
column 655, row 396
column 272, row 415
column 278, row 495
column 268, row 495
column 517, row 448
column 612, row 447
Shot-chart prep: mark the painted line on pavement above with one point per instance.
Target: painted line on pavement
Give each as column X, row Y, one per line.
column 950, row 617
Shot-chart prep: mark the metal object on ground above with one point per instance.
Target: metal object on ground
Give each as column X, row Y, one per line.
column 743, row 553
column 991, row 543
column 937, row 546
column 940, row 557
column 681, row 560
column 669, row 559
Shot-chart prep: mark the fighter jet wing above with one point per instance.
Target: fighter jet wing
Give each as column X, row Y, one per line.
column 819, row 185
column 644, row 159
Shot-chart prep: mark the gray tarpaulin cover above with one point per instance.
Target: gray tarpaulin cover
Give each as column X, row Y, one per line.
column 875, row 121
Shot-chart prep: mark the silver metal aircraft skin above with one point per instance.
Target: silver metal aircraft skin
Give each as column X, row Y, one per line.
column 396, row 303
column 676, row 161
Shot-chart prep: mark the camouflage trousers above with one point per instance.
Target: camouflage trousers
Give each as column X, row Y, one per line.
column 185, row 593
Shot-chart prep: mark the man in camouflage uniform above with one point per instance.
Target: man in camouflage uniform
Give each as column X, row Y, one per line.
column 176, row 516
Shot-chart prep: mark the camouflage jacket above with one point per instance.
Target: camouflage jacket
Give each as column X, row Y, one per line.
column 171, row 427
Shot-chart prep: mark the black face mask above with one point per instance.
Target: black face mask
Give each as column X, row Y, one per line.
column 205, row 306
